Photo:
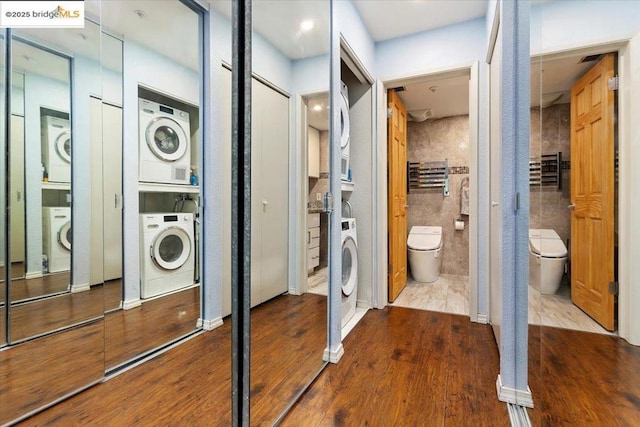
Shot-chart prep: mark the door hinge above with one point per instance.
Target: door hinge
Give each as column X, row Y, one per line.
column 613, row 83
column 389, row 113
column 614, row 288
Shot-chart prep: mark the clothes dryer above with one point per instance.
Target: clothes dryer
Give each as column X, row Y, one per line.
column 345, row 128
column 167, row 260
column 57, row 237
column 349, row 269
column 165, row 144
column 55, row 138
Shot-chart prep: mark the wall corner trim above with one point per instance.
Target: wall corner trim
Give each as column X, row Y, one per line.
column 482, row 318
column 333, row 356
column 80, row 288
column 132, row 303
column 209, row 324
column 512, row 395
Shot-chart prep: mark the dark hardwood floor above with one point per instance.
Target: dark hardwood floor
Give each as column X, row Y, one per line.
column 408, row 367
column 583, row 379
column 191, row 384
column 49, row 284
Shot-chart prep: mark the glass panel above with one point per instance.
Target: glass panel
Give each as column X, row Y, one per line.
column 290, row 54
column 346, row 266
column 3, row 242
column 151, row 103
column 41, row 150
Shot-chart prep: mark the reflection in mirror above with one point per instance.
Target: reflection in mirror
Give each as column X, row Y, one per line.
column 43, row 289
column 290, row 49
column 150, row 158
column 3, row 243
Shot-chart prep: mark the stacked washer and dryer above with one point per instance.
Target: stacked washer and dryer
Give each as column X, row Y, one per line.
column 167, row 239
column 349, row 235
column 55, row 138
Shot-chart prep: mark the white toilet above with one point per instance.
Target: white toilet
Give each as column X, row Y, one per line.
column 424, row 245
column 547, row 258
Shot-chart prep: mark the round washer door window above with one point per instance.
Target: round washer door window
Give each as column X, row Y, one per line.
column 65, row 236
column 171, row 248
column 345, row 126
column 166, row 139
column 349, row 266
column 63, row 146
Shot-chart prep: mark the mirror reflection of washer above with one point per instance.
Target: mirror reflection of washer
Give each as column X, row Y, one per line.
column 56, row 148
column 167, row 259
column 56, row 238
column 165, row 144
column 345, row 129
column 349, row 269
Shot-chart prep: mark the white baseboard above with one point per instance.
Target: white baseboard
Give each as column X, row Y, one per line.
column 511, row 395
column 33, row 275
column 483, row 318
column 132, row 303
column 333, row 356
column 80, row 288
column 210, row 324
column 294, row 291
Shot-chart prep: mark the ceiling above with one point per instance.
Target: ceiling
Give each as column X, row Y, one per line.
column 551, row 80
column 318, row 111
column 413, row 16
column 436, row 98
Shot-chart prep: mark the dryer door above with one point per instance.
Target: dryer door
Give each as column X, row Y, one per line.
column 63, row 146
column 345, row 127
column 349, row 266
column 171, row 248
column 65, row 236
column 166, row 139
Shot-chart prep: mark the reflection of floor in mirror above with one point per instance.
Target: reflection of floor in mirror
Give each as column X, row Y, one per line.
column 190, row 384
column 49, row 284
column 317, row 283
column 112, row 294
column 448, row 294
column 17, row 270
column 558, row 311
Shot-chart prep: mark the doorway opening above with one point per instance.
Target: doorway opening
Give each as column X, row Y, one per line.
column 568, row 167
column 428, row 192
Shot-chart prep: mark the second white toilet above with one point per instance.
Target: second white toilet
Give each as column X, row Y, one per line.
column 547, row 260
column 424, row 246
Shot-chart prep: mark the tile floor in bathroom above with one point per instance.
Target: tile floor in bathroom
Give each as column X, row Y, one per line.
column 450, row 294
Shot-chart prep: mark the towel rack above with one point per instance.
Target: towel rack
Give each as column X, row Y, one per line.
column 546, row 170
column 428, row 174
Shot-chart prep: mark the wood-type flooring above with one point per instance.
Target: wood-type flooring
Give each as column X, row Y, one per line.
column 191, row 384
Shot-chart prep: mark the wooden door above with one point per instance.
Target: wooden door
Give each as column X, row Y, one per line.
column 397, row 153
column 592, row 193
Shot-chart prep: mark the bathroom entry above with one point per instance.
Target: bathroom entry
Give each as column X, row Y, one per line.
column 429, row 153
column 592, row 192
column 573, row 192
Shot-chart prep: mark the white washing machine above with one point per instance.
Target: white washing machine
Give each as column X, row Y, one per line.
column 165, row 144
column 167, row 260
column 349, row 269
column 56, row 238
column 344, row 132
column 55, row 138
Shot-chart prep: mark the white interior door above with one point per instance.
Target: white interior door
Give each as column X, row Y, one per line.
column 112, row 190
column 97, row 232
column 495, row 216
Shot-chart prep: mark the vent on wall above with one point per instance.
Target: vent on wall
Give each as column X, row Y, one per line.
column 589, row 58
column 399, row 89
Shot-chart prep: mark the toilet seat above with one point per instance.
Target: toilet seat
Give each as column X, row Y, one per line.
column 546, row 244
column 424, row 238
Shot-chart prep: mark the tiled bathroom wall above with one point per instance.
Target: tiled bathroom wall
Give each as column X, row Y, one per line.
column 441, row 139
column 551, row 133
column 320, row 186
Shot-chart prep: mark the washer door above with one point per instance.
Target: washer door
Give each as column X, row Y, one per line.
column 344, row 121
column 65, row 236
column 166, row 139
column 171, row 248
column 63, row 146
column 349, row 266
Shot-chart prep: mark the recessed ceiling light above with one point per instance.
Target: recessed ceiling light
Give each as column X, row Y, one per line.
column 306, row 25
column 433, row 89
column 140, row 13
column 317, row 107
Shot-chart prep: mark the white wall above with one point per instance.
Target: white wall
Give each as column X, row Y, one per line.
column 311, row 75
column 348, row 23
column 567, row 24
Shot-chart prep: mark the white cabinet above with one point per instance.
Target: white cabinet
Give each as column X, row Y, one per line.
column 313, row 241
column 269, row 193
column 313, row 139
